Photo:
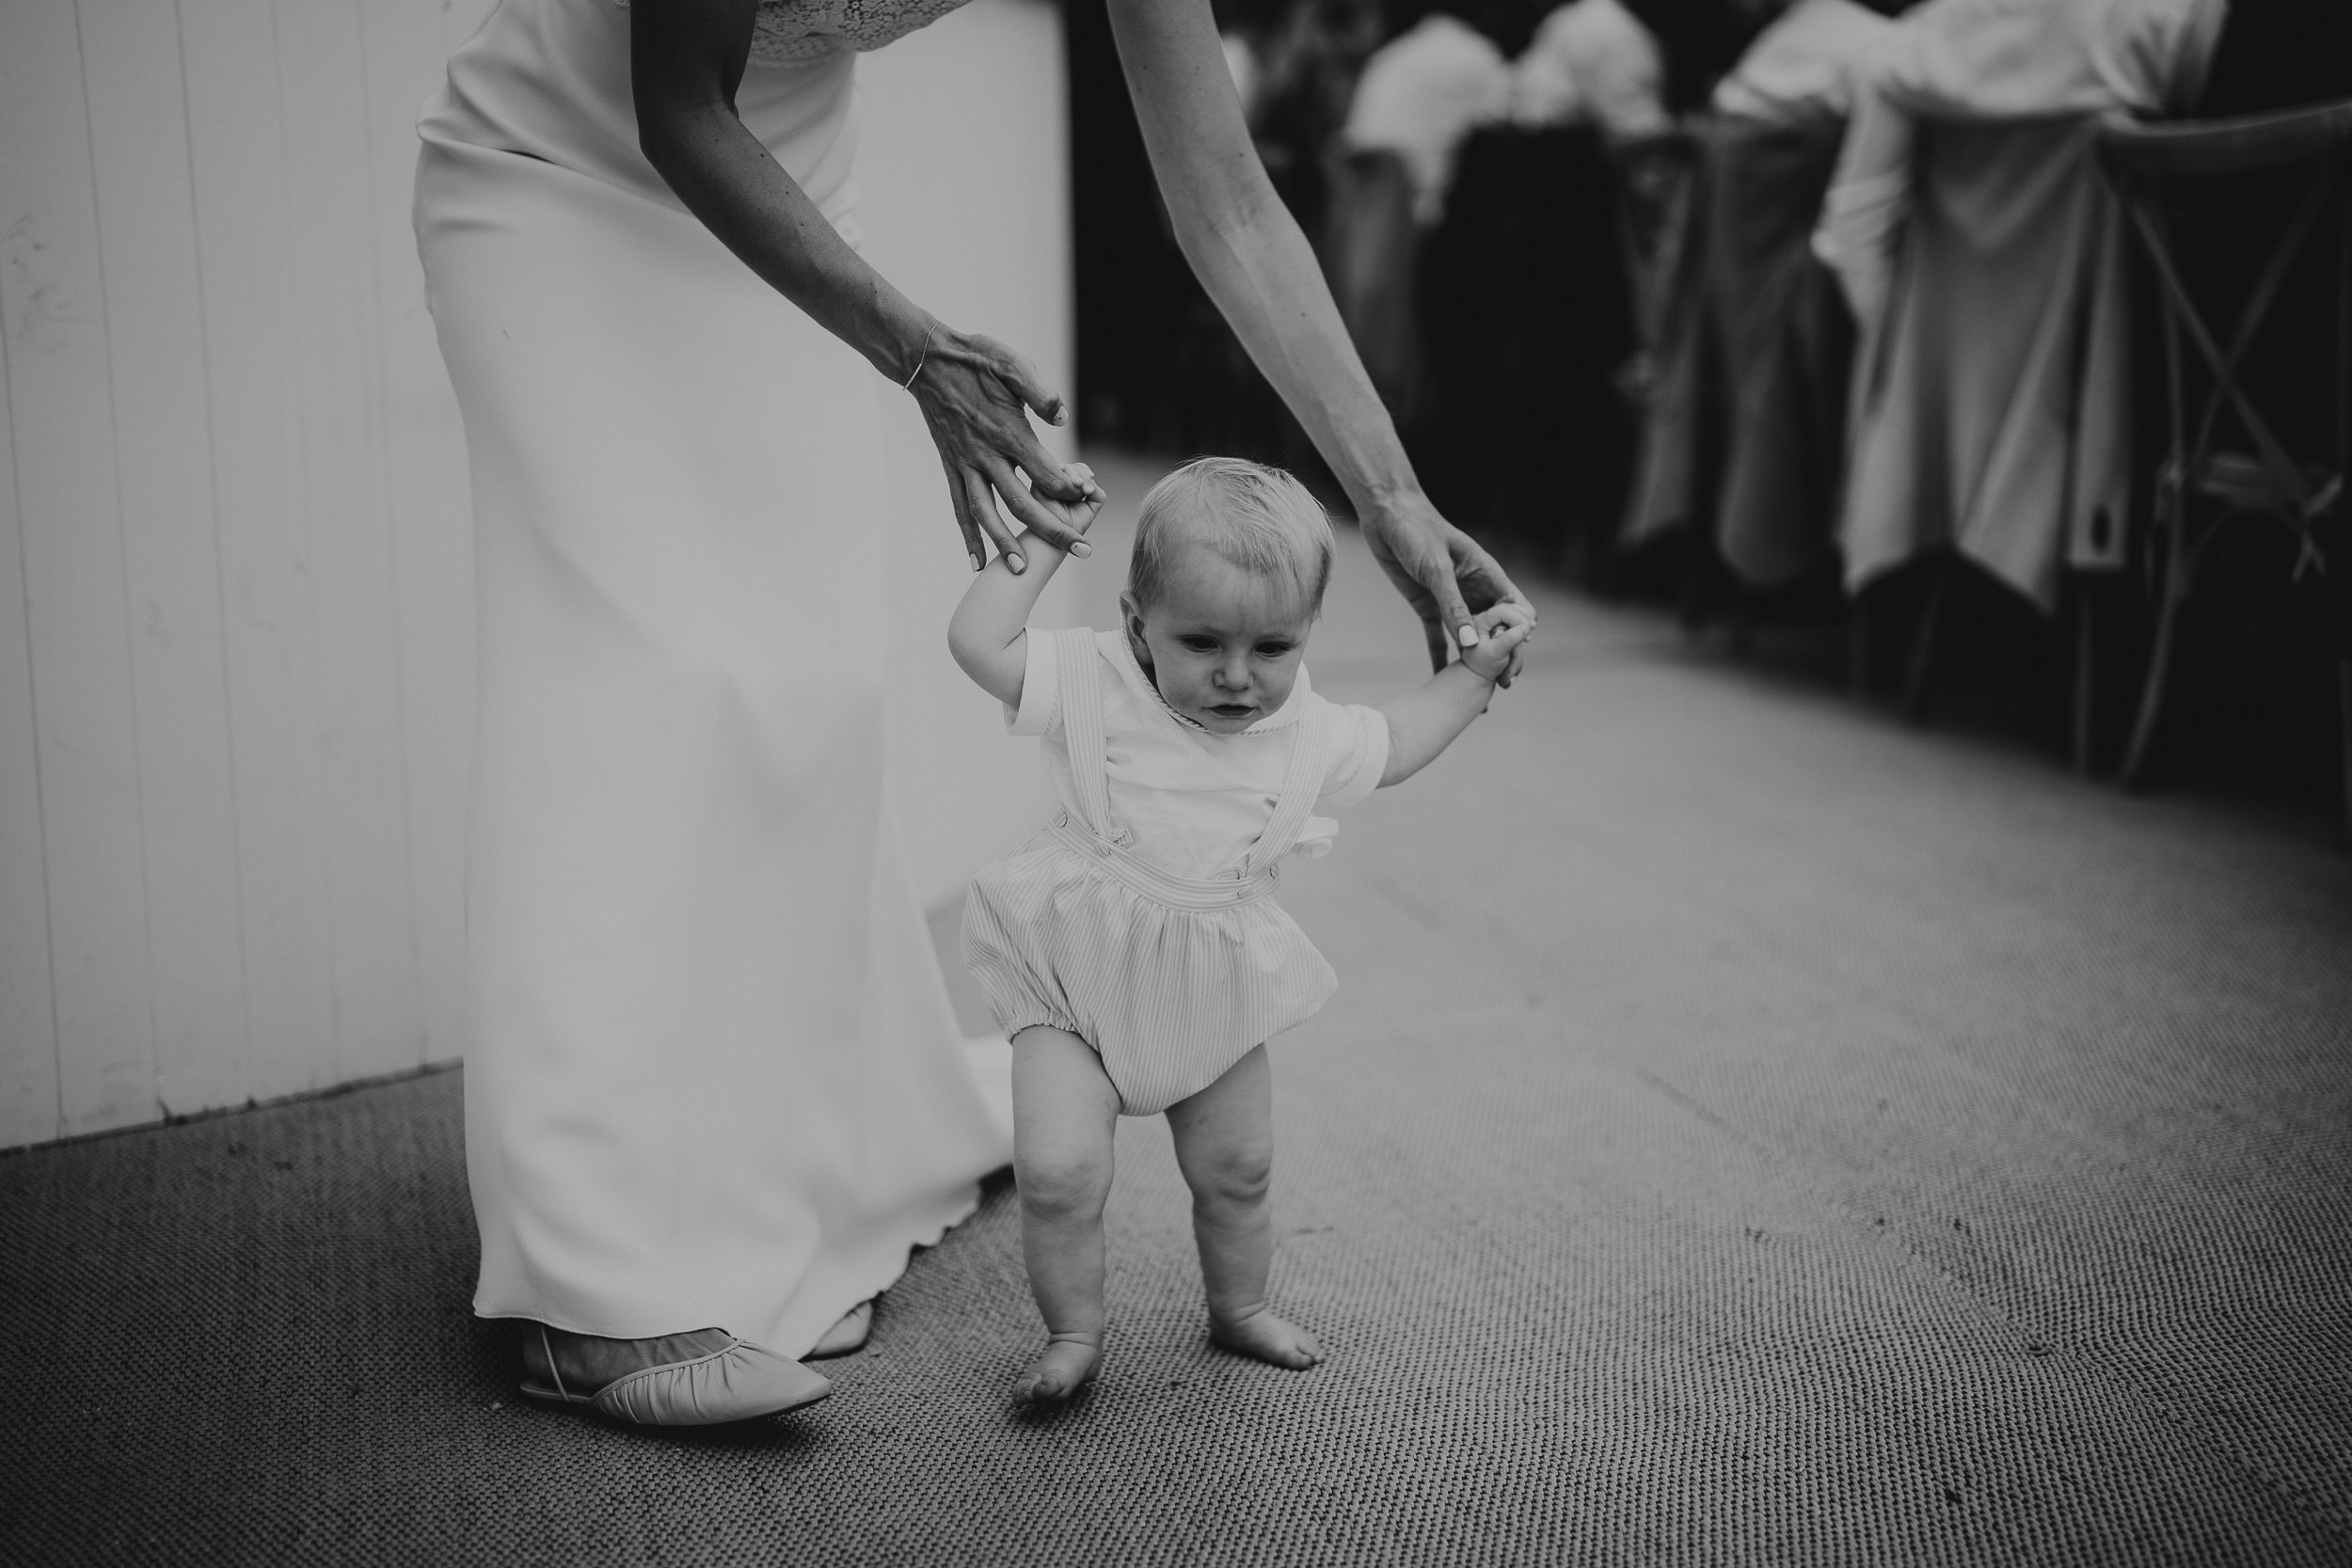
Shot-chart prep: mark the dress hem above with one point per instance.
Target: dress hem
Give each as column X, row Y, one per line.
column 964, row 1211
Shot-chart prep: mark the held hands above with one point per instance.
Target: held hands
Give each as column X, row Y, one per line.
column 975, row 394
column 1502, row 634
column 1424, row 722
column 1074, row 515
column 987, row 634
column 1443, row 574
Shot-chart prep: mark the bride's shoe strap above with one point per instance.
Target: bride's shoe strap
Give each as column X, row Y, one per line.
column 553, row 1371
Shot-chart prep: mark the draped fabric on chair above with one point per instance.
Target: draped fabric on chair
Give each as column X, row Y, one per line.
column 1746, row 432
column 1992, row 395
column 1991, row 408
column 1744, row 443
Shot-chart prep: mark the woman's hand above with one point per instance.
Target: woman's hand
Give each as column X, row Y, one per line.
column 975, row 394
column 1443, row 574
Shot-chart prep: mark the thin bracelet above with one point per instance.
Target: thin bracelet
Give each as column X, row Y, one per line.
column 920, row 360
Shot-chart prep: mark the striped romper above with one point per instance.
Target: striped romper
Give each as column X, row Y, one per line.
column 1170, row 979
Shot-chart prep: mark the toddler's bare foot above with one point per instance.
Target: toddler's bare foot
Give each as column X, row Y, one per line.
column 1260, row 1334
column 1068, row 1364
column 846, row 1336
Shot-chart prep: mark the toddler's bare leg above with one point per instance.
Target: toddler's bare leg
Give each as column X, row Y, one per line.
column 1225, row 1146
column 1064, row 1113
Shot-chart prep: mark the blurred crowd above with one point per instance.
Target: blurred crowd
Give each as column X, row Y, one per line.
column 1451, row 164
column 1765, row 297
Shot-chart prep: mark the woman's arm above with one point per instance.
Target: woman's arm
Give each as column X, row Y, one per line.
column 686, row 59
column 1253, row 260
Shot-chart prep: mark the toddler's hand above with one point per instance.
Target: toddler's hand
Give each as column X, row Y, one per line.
column 1079, row 514
column 1501, row 630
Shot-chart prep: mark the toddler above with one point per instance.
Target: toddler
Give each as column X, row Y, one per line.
column 1133, row 950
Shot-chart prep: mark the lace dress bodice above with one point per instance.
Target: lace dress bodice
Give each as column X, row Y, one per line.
column 790, row 32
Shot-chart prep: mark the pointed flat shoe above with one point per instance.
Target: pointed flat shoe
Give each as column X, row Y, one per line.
column 741, row 1383
column 848, row 1335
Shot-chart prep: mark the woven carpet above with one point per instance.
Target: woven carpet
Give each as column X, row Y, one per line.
column 1747, row 1129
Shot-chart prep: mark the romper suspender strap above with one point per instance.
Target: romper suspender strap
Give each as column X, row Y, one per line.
column 1080, row 672
column 1078, row 666
column 1302, row 785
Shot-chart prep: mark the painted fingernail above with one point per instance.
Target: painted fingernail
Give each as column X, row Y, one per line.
column 1469, row 637
column 1080, row 549
column 976, row 562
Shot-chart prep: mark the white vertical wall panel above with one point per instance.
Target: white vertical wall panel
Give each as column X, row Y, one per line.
column 29, row 1035
column 356, row 694
column 428, row 509
column 70, row 532
column 237, row 130
column 171, row 564
column 235, row 684
column 236, row 617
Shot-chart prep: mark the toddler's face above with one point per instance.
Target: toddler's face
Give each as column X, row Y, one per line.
column 1222, row 644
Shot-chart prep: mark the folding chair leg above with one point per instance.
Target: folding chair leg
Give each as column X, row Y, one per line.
column 2151, row 692
column 1861, row 674
column 1918, row 678
column 2083, row 721
column 1742, row 624
column 2344, row 704
column 1694, row 605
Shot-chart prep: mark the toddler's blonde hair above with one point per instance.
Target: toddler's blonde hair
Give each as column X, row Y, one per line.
column 1261, row 520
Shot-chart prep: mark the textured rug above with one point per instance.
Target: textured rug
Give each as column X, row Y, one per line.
column 1747, row 1129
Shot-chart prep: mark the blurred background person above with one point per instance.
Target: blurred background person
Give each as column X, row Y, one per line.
column 1592, row 60
column 1423, row 92
column 1743, row 438
column 1803, row 64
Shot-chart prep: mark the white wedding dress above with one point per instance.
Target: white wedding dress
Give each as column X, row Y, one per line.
column 714, row 1078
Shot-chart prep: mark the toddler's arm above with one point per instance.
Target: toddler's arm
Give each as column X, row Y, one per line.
column 1424, row 722
column 989, row 632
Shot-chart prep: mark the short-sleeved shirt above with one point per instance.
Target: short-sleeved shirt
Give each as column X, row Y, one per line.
column 1195, row 800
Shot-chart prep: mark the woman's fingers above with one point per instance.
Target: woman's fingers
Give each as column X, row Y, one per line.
column 982, row 500
column 1021, row 376
column 1484, row 580
column 1446, row 619
column 975, row 405
column 960, row 502
column 1047, row 475
column 1034, row 515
